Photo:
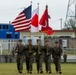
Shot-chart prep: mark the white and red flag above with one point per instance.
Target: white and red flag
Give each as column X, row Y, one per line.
column 35, row 20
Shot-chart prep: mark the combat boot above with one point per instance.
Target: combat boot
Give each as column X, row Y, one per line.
column 50, row 72
column 20, row 71
column 60, row 72
column 41, row 72
column 30, row 72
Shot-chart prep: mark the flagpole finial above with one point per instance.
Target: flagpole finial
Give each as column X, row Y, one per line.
column 46, row 6
column 38, row 3
column 31, row 2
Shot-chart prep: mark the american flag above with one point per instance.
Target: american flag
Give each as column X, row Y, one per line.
column 23, row 20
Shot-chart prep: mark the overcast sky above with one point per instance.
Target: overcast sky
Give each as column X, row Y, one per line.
column 9, row 9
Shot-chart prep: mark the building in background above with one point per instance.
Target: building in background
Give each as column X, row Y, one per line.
column 8, row 36
column 67, row 38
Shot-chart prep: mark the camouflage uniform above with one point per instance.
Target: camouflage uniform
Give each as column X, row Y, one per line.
column 65, row 57
column 57, row 51
column 29, row 50
column 20, row 49
column 47, row 57
column 39, row 59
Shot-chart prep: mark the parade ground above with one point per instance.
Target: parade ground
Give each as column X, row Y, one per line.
column 10, row 69
column 37, row 37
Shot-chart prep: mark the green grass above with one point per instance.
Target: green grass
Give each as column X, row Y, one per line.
column 10, row 69
column 69, row 52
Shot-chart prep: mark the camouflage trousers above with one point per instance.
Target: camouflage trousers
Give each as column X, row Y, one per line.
column 19, row 62
column 39, row 62
column 48, row 63
column 29, row 61
column 57, row 63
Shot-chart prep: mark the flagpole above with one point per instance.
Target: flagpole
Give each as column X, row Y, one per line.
column 47, row 36
column 30, row 34
column 38, row 23
column 31, row 17
column 47, row 14
column 48, row 20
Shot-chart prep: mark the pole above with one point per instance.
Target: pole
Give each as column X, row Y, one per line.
column 30, row 34
column 30, row 30
column 75, row 13
column 47, row 15
column 42, row 38
column 61, row 23
column 67, row 11
column 1, row 48
column 48, row 18
column 38, row 21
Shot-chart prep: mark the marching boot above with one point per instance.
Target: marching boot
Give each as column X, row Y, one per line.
column 41, row 72
column 50, row 72
column 20, row 71
column 30, row 72
column 60, row 72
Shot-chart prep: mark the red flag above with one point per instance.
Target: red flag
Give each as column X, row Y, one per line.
column 34, row 20
column 48, row 30
column 44, row 19
column 44, row 23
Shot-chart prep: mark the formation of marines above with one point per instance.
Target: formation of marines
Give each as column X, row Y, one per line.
column 41, row 53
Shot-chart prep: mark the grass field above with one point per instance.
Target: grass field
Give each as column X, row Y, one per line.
column 69, row 52
column 10, row 69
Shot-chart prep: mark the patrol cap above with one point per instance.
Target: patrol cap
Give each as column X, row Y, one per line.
column 38, row 40
column 56, row 42
column 29, row 39
column 46, row 40
column 19, row 40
